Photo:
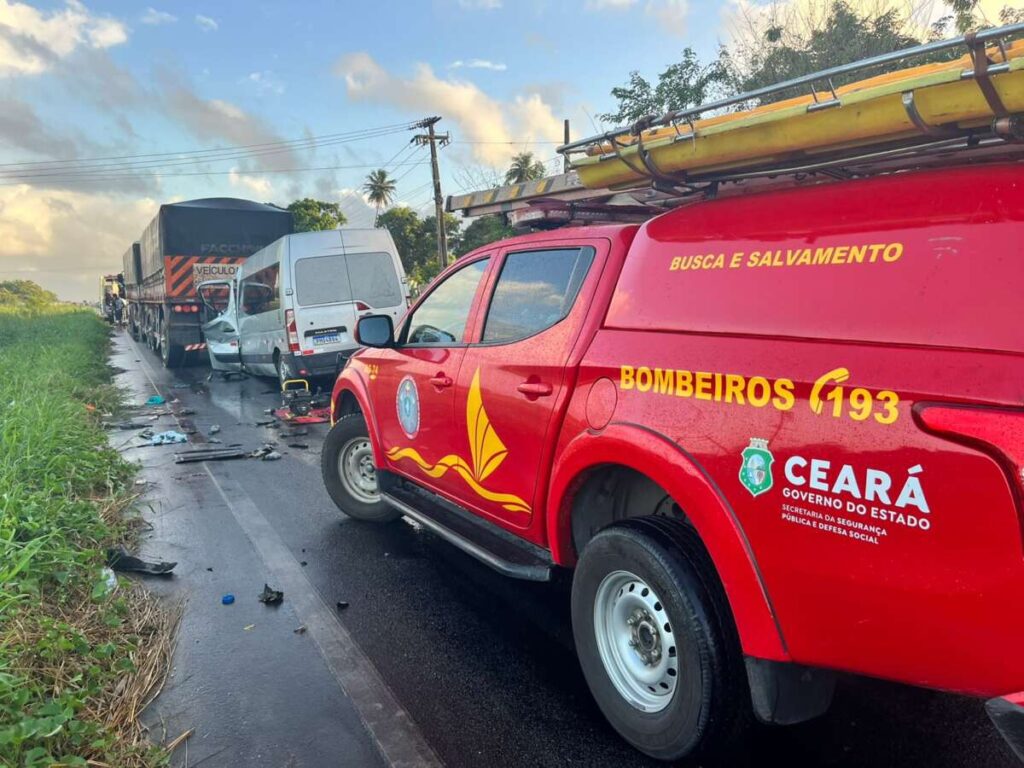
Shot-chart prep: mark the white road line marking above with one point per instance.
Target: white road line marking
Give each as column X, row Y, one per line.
column 394, row 732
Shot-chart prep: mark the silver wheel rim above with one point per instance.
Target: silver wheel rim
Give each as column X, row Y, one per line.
column 635, row 641
column 357, row 471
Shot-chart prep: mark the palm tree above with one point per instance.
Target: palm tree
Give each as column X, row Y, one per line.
column 380, row 191
column 524, row 167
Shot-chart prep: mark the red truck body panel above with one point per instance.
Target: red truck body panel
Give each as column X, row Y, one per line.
column 827, row 382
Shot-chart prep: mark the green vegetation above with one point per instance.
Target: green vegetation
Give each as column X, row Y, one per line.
column 312, row 215
column 776, row 41
column 24, row 293
column 77, row 661
column 380, row 191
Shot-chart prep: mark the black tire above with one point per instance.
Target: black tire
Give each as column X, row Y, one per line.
column 172, row 355
column 349, row 431
column 281, row 366
column 709, row 709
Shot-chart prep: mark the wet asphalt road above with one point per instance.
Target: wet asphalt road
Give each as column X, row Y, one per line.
column 483, row 665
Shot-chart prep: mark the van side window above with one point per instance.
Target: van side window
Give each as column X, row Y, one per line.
column 535, row 290
column 261, row 291
column 441, row 319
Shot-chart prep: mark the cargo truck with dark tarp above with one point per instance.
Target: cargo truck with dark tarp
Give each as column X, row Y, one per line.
column 185, row 244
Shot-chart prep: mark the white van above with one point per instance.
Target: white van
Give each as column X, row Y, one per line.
column 291, row 308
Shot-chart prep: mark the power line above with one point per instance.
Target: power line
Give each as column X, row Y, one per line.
column 72, row 171
column 395, row 127
column 133, row 176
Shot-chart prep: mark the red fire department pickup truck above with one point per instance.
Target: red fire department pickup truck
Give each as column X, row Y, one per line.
column 775, row 436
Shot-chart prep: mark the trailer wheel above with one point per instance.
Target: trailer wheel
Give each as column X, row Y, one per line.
column 656, row 642
column 346, row 462
column 172, row 355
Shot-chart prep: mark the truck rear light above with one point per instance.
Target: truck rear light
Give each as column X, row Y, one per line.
column 996, row 431
column 293, row 332
column 362, row 307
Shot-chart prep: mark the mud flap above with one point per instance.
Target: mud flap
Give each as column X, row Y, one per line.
column 786, row 694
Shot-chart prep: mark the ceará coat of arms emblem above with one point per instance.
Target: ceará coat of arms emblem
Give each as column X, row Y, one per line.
column 756, row 469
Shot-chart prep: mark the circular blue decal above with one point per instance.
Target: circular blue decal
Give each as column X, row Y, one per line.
column 408, row 404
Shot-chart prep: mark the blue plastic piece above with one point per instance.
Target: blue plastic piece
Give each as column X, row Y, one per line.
column 228, row 599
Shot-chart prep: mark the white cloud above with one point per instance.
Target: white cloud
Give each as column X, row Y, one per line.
column 206, row 24
column 31, row 41
column 154, row 17
column 62, row 239
column 216, row 120
column 480, row 5
column 499, row 125
column 478, row 64
column 259, row 185
column 265, row 81
column 671, row 14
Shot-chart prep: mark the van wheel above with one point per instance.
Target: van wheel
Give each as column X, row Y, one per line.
column 656, row 642
column 350, row 476
column 281, row 365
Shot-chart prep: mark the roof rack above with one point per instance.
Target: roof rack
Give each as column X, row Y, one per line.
column 982, row 92
column 629, row 167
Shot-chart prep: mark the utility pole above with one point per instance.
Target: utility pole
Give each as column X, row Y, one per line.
column 565, row 140
column 433, row 139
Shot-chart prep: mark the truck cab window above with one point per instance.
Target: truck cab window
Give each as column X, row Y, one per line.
column 536, row 289
column 441, row 319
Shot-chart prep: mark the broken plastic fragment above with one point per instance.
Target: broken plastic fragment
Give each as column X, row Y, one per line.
column 270, row 596
column 121, row 560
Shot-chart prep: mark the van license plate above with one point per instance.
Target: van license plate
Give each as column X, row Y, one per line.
column 325, row 338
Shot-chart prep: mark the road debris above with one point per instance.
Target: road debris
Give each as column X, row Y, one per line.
column 342, row 605
column 187, row 412
column 154, row 400
column 272, row 456
column 168, row 438
column 299, row 446
column 214, row 429
column 300, row 630
column 270, row 596
column 248, row 627
column 227, row 599
column 121, row 560
column 209, row 454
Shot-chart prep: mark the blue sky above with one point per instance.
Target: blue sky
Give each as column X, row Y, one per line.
column 95, row 79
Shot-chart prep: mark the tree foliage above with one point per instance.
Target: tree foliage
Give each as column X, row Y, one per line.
column 484, row 230
column 311, row 215
column 25, row 293
column 524, row 167
column 686, row 83
column 781, row 40
column 416, row 240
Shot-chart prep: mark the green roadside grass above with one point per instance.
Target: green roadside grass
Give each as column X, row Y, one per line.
column 78, row 662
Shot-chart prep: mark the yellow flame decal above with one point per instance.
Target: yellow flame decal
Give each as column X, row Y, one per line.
column 486, row 449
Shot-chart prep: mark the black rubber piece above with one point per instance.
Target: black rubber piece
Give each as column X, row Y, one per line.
column 710, row 709
column 346, row 428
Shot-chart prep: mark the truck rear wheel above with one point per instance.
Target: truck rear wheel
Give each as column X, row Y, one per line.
column 172, row 355
column 346, row 462
column 656, row 642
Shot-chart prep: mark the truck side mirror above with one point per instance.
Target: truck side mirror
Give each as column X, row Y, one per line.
column 375, row 331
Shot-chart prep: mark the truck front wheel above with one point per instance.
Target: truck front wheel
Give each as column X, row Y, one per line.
column 350, row 476
column 656, row 642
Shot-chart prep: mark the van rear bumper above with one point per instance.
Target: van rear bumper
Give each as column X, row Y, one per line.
column 318, row 364
column 1007, row 713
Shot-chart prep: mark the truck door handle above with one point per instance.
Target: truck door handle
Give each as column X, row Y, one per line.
column 535, row 389
column 441, row 381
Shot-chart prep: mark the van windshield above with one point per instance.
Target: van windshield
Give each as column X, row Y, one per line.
column 367, row 277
